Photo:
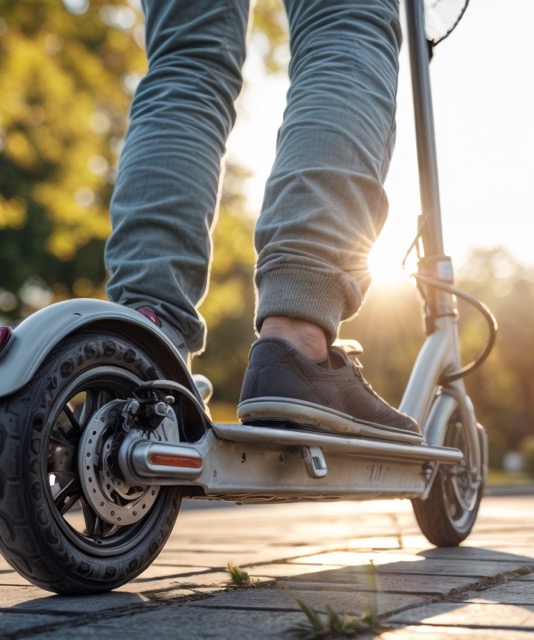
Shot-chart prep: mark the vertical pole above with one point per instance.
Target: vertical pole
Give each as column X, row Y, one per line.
column 432, row 234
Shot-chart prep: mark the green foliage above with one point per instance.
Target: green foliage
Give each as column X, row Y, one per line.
column 238, row 577
column 503, row 388
column 64, row 79
column 335, row 624
column 270, row 24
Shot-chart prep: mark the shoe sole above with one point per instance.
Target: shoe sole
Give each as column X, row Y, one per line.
column 321, row 418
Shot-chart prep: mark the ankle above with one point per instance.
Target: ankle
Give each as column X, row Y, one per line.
column 307, row 337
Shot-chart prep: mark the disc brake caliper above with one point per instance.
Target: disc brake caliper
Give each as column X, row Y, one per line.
column 110, row 496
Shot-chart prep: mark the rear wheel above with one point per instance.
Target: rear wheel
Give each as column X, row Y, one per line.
column 447, row 516
column 51, row 530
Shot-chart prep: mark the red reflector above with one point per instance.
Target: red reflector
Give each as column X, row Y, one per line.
column 5, row 334
column 166, row 460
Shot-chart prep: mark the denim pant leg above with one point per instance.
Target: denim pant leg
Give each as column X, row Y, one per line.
column 166, row 194
column 324, row 202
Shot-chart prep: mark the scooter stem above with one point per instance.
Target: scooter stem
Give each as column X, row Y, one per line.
column 432, row 234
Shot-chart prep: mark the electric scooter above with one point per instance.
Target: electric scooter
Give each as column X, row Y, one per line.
column 103, row 430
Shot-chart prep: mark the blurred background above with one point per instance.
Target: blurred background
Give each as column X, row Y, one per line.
column 67, row 74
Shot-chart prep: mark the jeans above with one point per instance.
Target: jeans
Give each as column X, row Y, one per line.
column 324, row 201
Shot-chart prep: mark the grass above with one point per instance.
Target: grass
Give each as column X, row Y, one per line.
column 324, row 626
column 338, row 624
column 334, row 624
column 238, row 577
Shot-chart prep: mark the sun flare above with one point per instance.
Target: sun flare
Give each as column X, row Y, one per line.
column 386, row 267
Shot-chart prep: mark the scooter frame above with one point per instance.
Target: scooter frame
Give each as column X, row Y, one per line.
column 255, row 463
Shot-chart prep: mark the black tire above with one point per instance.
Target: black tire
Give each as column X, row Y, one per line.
column 48, row 531
column 448, row 514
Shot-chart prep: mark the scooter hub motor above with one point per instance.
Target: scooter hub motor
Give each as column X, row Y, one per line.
column 109, row 495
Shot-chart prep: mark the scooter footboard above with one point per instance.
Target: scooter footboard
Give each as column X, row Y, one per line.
column 257, row 464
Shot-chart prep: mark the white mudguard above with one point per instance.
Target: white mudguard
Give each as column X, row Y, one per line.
column 36, row 336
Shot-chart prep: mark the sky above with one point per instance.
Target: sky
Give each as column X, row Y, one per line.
column 483, row 92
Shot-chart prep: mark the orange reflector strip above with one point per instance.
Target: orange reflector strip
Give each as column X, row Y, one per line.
column 168, row 460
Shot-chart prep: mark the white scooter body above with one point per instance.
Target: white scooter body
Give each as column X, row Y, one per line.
column 239, row 462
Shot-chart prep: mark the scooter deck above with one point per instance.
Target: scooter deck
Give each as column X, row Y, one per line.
column 245, row 463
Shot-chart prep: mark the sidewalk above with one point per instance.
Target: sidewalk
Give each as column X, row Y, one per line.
column 317, row 552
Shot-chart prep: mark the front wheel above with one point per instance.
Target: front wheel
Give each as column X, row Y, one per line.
column 448, row 514
column 50, row 532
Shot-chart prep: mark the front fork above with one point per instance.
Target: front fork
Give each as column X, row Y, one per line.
column 435, row 391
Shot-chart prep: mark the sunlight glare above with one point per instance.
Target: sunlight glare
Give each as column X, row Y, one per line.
column 385, row 266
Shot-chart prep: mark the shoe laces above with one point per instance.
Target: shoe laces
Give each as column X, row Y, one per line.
column 352, row 348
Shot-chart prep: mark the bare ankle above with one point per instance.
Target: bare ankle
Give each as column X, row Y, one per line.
column 307, row 337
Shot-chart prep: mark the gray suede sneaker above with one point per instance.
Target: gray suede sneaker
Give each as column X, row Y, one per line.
column 283, row 385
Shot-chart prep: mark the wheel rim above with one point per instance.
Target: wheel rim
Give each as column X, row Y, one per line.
column 460, row 489
column 70, row 415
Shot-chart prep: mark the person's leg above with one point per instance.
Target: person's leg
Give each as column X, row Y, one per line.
column 324, row 202
column 166, row 194
column 323, row 209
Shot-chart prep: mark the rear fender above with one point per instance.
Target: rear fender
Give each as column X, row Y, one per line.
column 36, row 336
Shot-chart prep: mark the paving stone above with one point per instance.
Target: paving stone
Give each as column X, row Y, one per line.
column 149, row 586
column 322, row 553
column 13, row 579
column 286, row 570
column 170, row 571
column 181, row 595
column 390, row 583
column 11, row 595
column 13, row 624
column 470, row 554
column 424, row 632
column 513, row 592
column 351, row 602
column 183, row 622
column 418, row 564
column 208, row 579
column 489, row 615
column 390, row 575
column 363, row 559
column 72, row 604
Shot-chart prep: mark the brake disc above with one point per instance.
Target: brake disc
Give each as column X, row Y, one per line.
column 109, row 495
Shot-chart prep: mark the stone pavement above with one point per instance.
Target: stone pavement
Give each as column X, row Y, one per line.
column 320, row 553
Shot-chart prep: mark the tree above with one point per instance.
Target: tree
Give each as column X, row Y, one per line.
column 503, row 388
column 66, row 76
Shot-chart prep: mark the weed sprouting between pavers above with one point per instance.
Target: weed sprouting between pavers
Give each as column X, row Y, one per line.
column 332, row 624
column 238, row 577
column 335, row 624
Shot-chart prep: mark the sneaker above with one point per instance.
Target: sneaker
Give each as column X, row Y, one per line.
column 281, row 384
